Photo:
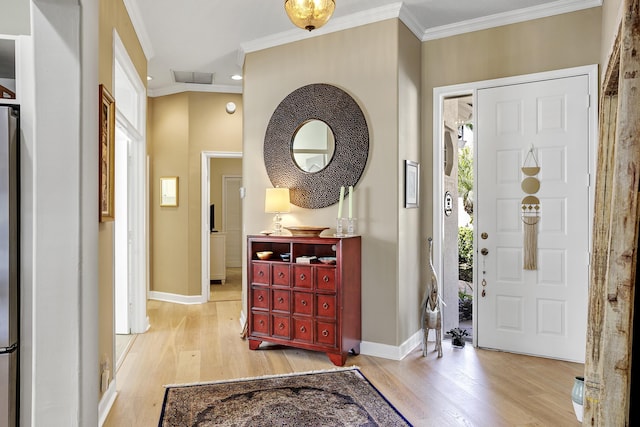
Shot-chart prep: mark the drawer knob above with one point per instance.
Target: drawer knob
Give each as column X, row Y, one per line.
column 261, row 273
column 281, row 274
column 280, row 300
column 303, row 302
column 325, row 278
column 281, row 326
column 302, row 276
column 261, row 322
column 303, row 329
column 325, row 305
column 325, row 333
column 260, row 298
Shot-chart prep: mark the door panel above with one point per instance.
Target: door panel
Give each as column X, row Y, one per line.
column 540, row 312
column 232, row 219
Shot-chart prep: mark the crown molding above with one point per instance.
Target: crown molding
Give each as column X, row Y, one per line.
column 191, row 87
column 521, row 15
column 337, row 24
column 139, row 27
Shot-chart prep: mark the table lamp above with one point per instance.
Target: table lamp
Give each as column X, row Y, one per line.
column 277, row 201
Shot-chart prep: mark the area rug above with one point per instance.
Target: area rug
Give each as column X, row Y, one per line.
column 328, row 398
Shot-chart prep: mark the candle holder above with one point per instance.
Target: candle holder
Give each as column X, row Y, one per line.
column 351, row 226
column 339, row 229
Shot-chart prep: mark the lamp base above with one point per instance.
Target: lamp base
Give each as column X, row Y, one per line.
column 277, row 225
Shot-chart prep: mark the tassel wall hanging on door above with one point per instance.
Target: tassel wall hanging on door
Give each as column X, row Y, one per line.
column 530, row 210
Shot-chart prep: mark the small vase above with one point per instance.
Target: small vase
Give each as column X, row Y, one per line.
column 577, row 397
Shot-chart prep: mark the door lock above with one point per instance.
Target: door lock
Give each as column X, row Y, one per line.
column 484, row 251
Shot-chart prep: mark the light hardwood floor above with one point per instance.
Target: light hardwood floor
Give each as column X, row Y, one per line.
column 466, row 387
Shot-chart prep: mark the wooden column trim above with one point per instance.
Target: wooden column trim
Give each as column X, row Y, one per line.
column 617, row 213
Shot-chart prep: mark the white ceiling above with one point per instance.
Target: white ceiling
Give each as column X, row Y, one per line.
column 212, row 36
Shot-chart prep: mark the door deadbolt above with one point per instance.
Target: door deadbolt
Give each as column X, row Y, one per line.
column 484, row 251
column 484, row 236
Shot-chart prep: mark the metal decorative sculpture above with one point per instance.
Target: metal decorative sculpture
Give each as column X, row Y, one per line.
column 430, row 308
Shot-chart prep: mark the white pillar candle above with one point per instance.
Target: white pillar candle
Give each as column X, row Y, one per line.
column 351, row 201
column 340, row 202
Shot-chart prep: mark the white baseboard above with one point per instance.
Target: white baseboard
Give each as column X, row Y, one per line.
column 177, row 298
column 389, row 351
column 105, row 404
column 243, row 318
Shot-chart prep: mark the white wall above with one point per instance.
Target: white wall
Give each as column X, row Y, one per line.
column 59, row 216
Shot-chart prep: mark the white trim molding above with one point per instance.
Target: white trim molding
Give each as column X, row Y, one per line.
column 106, row 403
column 205, row 161
column 521, row 15
column 439, row 95
column 177, row 298
column 138, row 26
column 389, row 351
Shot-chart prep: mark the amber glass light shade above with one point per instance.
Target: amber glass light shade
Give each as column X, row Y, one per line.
column 309, row 14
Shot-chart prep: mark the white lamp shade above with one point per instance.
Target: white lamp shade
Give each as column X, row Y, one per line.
column 277, row 200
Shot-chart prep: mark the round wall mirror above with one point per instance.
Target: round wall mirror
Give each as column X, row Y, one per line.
column 313, row 145
column 319, row 109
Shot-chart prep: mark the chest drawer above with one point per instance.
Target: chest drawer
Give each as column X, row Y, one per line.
column 326, row 306
column 260, row 273
column 326, row 278
column 281, row 300
column 280, row 275
column 259, row 297
column 326, row 333
column 260, row 323
column 281, row 326
column 303, row 303
column 303, row 329
column 303, row 276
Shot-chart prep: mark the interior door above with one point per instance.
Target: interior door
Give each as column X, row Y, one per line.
column 232, row 219
column 542, row 311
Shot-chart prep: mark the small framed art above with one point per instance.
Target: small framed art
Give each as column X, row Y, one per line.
column 106, row 130
column 411, row 184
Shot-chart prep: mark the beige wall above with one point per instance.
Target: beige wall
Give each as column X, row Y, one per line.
column 113, row 15
column 181, row 127
column 367, row 63
column 409, row 286
column 611, row 18
column 219, row 167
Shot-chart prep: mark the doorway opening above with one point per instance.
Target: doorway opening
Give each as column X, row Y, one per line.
column 130, row 225
column 221, row 201
column 458, row 190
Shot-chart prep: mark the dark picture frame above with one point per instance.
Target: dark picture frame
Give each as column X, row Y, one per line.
column 411, row 184
column 106, row 141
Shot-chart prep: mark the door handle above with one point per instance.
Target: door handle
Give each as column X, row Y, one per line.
column 484, row 251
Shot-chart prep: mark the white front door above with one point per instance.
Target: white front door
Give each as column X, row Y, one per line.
column 540, row 312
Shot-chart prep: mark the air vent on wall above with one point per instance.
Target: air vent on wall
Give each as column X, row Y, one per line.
column 193, row 77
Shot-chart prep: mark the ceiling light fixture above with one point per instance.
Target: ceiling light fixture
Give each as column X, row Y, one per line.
column 236, row 77
column 309, row 14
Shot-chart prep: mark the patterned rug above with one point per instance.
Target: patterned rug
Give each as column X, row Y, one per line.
column 328, row 398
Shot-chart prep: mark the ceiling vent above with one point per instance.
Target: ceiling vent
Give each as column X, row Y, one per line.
column 193, row 77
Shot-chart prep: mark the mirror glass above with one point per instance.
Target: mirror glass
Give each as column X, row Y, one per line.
column 313, row 146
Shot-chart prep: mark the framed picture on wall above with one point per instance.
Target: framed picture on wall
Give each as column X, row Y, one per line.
column 106, row 132
column 411, row 184
column 169, row 191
